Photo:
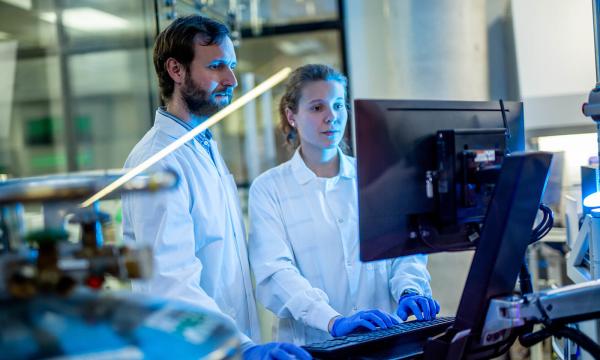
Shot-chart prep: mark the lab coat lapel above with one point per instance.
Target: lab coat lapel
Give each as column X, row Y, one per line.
column 171, row 128
column 235, row 214
column 218, row 160
column 231, row 189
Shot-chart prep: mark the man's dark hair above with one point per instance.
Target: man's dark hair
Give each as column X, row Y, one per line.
column 177, row 42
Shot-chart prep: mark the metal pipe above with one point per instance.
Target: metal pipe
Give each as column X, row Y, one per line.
column 67, row 94
column 596, row 12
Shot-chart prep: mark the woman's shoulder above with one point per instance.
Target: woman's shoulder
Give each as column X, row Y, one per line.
column 273, row 176
column 349, row 158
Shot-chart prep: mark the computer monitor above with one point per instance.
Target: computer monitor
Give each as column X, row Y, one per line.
column 505, row 235
column 427, row 170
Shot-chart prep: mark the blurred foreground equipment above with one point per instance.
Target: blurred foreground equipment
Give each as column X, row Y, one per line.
column 48, row 306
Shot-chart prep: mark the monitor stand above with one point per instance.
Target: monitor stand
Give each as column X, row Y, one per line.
column 497, row 261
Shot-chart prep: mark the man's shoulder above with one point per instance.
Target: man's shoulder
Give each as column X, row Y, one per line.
column 142, row 150
column 152, row 142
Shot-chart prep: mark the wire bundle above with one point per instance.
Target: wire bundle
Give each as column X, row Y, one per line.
column 544, row 227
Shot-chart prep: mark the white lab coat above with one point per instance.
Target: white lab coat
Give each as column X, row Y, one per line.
column 196, row 230
column 304, row 252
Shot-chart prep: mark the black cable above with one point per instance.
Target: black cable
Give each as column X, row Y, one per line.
column 545, row 225
column 530, row 339
column 549, row 223
column 537, row 233
column 574, row 335
column 578, row 338
column 525, row 283
column 542, row 223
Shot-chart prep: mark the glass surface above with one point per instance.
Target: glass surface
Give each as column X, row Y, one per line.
column 77, row 83
column 262, row 57
column 80, row 90
column 263, row 12
column 262, row 143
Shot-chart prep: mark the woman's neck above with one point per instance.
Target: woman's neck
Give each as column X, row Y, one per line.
column 324, row 163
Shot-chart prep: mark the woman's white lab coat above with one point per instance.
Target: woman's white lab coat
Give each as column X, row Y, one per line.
column 196, row 230
column 304, row 252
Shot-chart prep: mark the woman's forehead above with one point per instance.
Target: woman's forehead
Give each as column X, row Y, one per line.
column 322, row 89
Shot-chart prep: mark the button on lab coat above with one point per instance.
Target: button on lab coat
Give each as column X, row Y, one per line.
column 304, row 252
column 195, row 230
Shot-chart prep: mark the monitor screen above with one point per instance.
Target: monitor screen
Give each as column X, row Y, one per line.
column 426, row 170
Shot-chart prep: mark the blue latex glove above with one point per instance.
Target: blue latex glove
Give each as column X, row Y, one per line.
column 276, row 351
column 369, row 319
column 422, row 307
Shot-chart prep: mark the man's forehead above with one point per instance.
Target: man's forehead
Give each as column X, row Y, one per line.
column 222, row 49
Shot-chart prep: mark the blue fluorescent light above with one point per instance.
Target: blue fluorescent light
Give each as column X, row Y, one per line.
column 592, row 201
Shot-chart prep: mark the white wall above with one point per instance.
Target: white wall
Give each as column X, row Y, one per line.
column 555, row 58
column 421, row 49
column 425, row 49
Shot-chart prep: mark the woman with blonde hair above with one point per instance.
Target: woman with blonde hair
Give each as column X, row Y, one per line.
column 303, row 240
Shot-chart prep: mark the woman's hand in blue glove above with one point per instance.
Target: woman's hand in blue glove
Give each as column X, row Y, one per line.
column 369, row 319
column 276, row 351
column 422, row 307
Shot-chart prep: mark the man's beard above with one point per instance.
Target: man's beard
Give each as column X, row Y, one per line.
column 198, row 101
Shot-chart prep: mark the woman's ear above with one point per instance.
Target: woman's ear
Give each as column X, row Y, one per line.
column 176, row 70
column 290, row 117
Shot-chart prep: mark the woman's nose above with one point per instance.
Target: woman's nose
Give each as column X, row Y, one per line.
column 329, row 116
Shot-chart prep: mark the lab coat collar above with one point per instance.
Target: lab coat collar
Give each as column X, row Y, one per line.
column 168, row 126
column 347, row 168
column 303, row 174
column 164, row 123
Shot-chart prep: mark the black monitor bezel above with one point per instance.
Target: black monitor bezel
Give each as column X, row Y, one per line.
column 368, row 109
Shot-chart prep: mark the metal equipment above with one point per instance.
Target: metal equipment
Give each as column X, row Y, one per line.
column 51, row 303
column 43, row 261
column 555, row 309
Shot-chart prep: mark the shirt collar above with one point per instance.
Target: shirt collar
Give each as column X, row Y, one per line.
column 303, row 174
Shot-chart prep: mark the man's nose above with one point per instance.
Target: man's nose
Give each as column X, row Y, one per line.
column 229, row 80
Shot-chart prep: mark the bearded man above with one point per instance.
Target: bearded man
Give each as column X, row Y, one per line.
column 196, row 230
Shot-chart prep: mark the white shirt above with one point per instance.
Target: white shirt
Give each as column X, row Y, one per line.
column 304, row 251
column 195, row 230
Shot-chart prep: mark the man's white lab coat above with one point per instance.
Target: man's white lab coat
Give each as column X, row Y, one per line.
column 196, row 230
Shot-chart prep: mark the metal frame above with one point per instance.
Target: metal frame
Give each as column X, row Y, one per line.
column 582, row 271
